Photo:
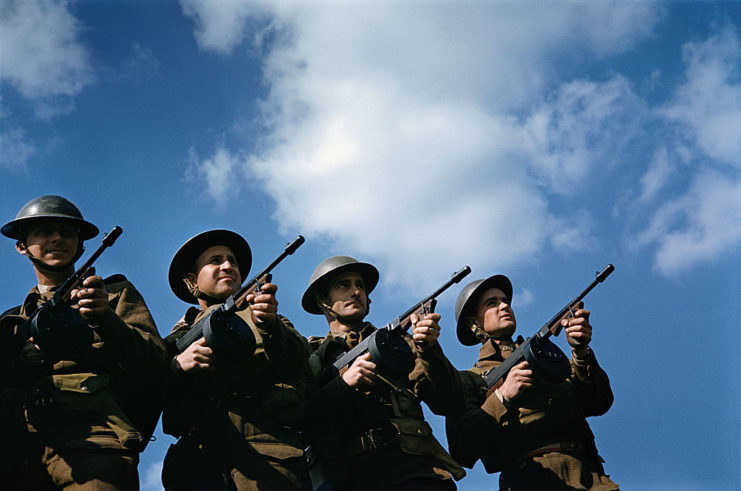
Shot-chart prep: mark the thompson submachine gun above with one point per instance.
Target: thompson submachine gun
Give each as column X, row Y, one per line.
column 387, row 347
column 542, row 354
column 56, row 327
column 226, row 332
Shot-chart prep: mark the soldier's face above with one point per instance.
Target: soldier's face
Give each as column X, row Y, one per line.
column 217, row 272
column 52, row 242
column 347, row 296
column 494, row 313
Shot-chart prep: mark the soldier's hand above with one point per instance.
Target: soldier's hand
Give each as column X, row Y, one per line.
column 361, row 371
column 92, row 298
column 263, row 304
column 425, row 331
column 32, row 358
column 518, row 381
column 196, row 357
column 578, row 332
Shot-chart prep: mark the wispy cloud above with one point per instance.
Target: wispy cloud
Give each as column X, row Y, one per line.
column 15, row 150
column 220, row 24
column 704, row 222
column 707, row 105
column 151, row 477
column 42, row 57
column 213, row 177
column 424, row 135
column 698, row 227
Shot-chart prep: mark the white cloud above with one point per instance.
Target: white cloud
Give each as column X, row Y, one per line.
column 586, row 127
column 214, row 175
column 613, row 27
column 429, row 135
column 40, row 51
column 15, row 149
column 697, row 227
column 657, row 176
column 151, row 477
column 708, row 103
column 220, row 24
column 701, row 153
column 523, row 298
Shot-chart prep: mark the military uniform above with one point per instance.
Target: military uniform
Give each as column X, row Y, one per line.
column 377, row 438
column 84, row 421
column 238, row 425
column 542, row 442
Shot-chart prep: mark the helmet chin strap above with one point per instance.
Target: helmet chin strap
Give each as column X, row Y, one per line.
column 199, row 295
column 38, row 263
column 327, row 309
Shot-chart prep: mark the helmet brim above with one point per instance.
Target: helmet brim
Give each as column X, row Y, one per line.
column 367, row 271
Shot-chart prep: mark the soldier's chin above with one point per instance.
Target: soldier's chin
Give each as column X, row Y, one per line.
column 354, row 315
column 503, row 333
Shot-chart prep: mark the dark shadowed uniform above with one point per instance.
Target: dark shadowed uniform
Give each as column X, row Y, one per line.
column 546, row 443
column 81, row 422
column 238, row 425
column 542, row 440
column 377, row 438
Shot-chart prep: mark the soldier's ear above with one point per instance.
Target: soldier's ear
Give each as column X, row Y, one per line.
column 21, row 247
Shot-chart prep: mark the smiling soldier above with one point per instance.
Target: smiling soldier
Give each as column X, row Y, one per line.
column 237, row 412
column 78, row 419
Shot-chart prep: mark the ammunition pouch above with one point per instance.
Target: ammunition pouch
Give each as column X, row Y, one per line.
column 415, row 438
column 91, row 394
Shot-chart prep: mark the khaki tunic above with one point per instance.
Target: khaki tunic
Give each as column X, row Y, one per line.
column 239, row 423
column 518, row 439
column 340, row 419
column 103, row 404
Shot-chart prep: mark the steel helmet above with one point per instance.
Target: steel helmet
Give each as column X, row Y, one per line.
column 466, row 297
column 332, row 266
column 49, row 207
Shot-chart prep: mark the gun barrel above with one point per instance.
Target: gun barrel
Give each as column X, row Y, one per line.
column 455, row 278
column 289, row 249
column 73, row 280
column 347, row 358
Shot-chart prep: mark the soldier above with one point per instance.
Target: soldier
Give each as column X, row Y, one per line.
column 236, row 417
column 533, row 431
column 366, row 426
column 80, row 421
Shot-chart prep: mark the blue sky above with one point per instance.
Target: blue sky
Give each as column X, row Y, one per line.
column 542, row 140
